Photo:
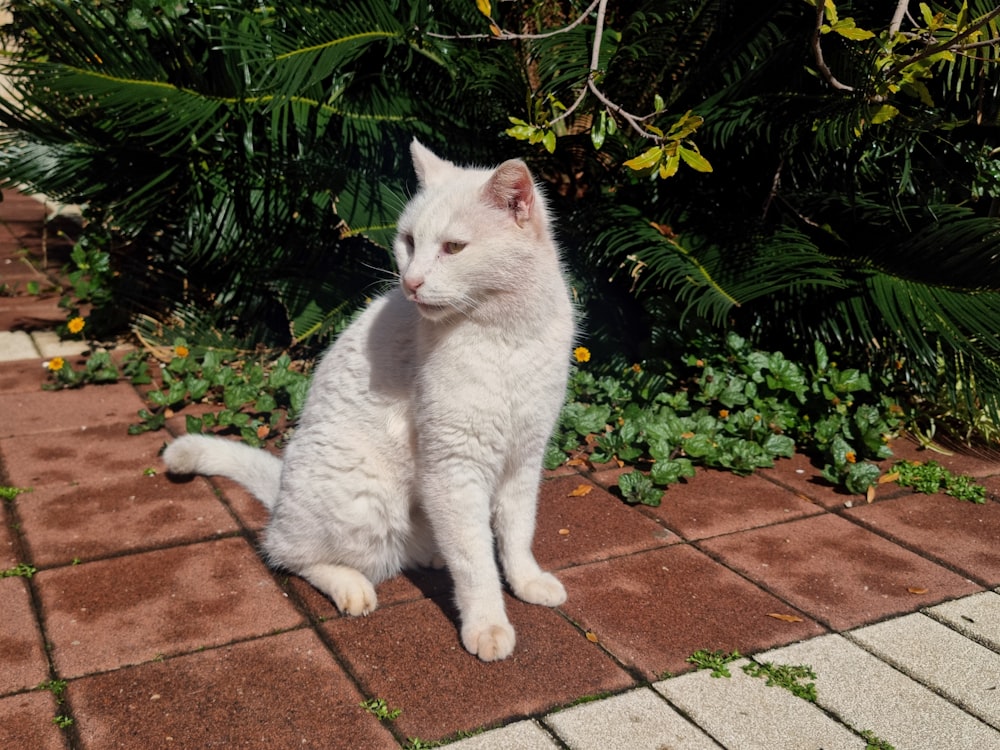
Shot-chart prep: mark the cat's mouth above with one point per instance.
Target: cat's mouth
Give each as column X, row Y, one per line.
column 431, row 311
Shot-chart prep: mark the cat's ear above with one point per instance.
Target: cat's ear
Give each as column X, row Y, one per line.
column 511, row 188
column 430, row 167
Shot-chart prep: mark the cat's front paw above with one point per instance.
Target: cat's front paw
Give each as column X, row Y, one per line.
column 489, row 641
column 544, row 589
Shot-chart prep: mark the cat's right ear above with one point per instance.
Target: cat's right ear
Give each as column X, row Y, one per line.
column 430, row 167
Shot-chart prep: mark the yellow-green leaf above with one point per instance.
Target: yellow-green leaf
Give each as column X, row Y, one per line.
column 695, row 160
column 646, row 160
column 927, row 13
column 484, row 7
column 883, row 114
column 855, row 33
column 668, row 167
column 549, row 141
column 831, row 10
column 848, row 28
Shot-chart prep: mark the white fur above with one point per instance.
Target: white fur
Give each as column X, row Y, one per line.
column 423, row 433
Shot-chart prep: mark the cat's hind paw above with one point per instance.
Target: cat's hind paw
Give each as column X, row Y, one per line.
column 544, row 589
column 489, row 641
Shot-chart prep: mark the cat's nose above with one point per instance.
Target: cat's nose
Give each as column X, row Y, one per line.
column 412, row 283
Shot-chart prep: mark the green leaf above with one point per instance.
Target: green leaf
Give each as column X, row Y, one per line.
column 599, row 132
column 549, row 141
column 636, row 487
column 861, row 476
column 671, row 471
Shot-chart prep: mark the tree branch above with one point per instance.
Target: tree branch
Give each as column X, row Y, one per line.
column 897, row 18
column 818, row 51
column 948, row 44
column 505, row 35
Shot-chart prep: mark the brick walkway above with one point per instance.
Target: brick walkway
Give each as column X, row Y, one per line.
column 151, row 602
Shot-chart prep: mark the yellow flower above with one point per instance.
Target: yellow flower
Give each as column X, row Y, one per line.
column 181, row 351
column 850, row 457
column 636, row 367
column 724, row 413
column 582, row 354
column 56, row 364
column 76, row 325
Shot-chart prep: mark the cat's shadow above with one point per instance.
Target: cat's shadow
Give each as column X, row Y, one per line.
column 435, row 585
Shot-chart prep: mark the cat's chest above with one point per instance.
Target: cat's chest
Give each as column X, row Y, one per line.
column 495, row 377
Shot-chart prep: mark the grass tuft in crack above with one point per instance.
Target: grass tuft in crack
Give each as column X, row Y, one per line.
column 789, row 676
column 716, row 661
column 378, row 708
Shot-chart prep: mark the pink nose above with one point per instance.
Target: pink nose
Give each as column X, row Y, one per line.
column 412, row 283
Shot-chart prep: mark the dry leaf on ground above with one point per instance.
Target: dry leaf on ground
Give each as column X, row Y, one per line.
column 784, row 618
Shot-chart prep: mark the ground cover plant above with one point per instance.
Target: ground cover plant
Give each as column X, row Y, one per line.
column 729, row 407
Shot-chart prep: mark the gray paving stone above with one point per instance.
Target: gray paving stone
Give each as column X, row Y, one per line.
column 976, row 616
column 15, row 345
column 524, row 735
column 50, row 345
column 637, row 720
column 743, row 713
column 868, row 694
column 954, row 666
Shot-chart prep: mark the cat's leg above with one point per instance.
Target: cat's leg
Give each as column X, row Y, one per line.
column 459, row 512
column 349, row 589
column 514, row 521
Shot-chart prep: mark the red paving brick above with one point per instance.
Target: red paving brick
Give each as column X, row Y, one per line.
column 31, row 413
column 96, row 455
column 654, row 609
column 411, row 656
column 578, row 522
column 26, row 723
column 37, row 314
column 714, row 503
column 65, row 523
column 108, row 614
column 23, row 375
column 962, row 535
column 836, row 571
column 285, row 691
column 21, row 651
column 9, row 553
column 800, row 475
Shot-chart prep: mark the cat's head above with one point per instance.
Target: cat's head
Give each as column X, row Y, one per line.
column 471, row 239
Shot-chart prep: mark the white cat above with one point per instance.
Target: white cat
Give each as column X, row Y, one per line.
column 423, row 433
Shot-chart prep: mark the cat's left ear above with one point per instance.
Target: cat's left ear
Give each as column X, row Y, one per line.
column 511, row 188
column 430, row 167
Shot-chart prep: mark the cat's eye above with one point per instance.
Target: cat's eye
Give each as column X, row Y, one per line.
column 408, row 242
column 453, row 247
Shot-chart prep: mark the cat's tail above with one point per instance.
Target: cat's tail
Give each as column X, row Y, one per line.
column 255, row 469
